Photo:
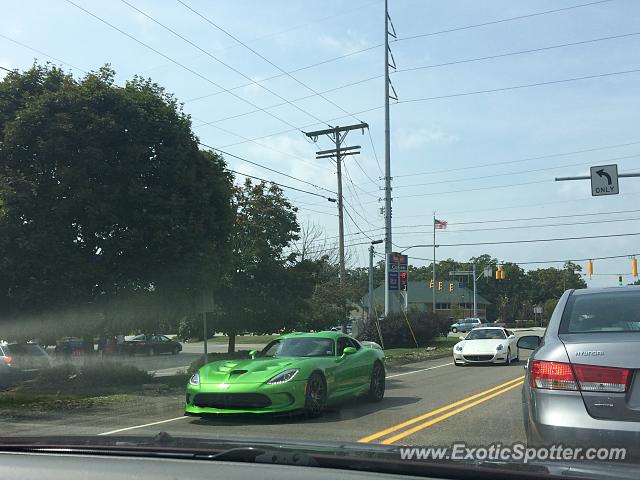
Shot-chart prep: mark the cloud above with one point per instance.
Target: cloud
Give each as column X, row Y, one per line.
column 412, row 139
column 351, row 43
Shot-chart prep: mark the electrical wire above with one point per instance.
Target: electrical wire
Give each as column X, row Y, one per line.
column 24, row 45
column 509, row 242
column 503, row 20
column 221, row 62
column 508, row 174
column 258, row 54
column 265, row 167
column 279, row 184
column 176, row 62
column 522, row 160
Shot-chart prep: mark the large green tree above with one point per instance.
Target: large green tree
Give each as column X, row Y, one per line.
column 265, row 289
column 105, row 196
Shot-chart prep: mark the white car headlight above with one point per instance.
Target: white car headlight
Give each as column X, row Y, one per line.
column 283, row 377
column 458, row 347
column 499, row 347
column 195, row 379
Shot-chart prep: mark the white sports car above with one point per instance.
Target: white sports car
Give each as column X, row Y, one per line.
column 486, row 345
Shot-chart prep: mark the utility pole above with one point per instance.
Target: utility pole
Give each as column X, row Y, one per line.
column 389, row 303
column 434, row 264
column 372, row 314
column 338, row 135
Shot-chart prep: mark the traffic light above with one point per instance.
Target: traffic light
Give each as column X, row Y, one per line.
column 403, row 281
column 500, row 273
column 634, row 267
column 620, row 280
column 590, row 268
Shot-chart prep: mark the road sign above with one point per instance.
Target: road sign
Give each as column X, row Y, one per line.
column 537, row 309
column 393, row 281
column 604, row 180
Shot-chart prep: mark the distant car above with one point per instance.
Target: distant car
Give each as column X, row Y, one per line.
column 151, row 345
column 465, row 325
column 69, row 346
column 21, row 360
column 582, row 382
column 486, row 345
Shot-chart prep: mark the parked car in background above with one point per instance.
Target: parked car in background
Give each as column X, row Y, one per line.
column 582, row 383
column 21, row 360
column 72, row 346
column 151, row 345
column 465, row 325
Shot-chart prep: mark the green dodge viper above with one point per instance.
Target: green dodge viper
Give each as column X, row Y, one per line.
column 297, row 371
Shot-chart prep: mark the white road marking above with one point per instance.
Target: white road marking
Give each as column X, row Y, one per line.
column 418, row 371
column 142, row 426
column 179, row 418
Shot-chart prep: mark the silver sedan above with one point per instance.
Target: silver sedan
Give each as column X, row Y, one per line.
column 582, row 385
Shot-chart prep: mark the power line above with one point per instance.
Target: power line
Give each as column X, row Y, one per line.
column 213, row 57
column 410, row 69
column 508, row 174
column 522, row 160
column 276, row 34
column 516, row 87
column 280, row 184
column 503, row 20
column 519, row 52
column 505, row 242
column 266, row 168
column 375, row 154
column 230, row 35
column 525, row 219
column 517, row 220
column 28, row 47
column 541, row 262
column 461, row 94
column 172, row 60
column 379, row 45
column 517, row 227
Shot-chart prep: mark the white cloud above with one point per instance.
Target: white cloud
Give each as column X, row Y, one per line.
column 351, row 43
column 412, row 139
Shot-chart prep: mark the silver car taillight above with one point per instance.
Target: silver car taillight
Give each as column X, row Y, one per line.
column 588, row 378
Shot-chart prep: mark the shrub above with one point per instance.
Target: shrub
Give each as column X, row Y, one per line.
column 396, row 334
column 91, row 375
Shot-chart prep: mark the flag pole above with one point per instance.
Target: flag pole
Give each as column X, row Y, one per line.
column 433, row 291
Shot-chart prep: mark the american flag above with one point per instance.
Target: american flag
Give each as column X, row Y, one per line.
column 439, row 224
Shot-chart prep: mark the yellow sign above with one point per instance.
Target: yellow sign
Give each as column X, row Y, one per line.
column 441, row 285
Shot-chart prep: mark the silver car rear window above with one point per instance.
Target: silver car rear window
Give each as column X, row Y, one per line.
column 602, row 312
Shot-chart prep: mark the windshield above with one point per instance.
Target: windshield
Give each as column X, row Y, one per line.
column 486, row 334
column 223, row 220
column 603, row 312
column 300, row 347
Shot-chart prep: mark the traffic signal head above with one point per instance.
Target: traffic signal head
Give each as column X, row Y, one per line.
column 634, row 267
column 590, row 268
column 500, row 273
column 620, row 280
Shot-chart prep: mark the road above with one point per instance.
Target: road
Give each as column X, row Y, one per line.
column 426, row 403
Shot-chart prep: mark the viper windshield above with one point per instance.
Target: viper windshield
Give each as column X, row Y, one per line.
column 300, row 347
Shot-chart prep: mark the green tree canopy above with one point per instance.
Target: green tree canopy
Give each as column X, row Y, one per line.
column 104, row 194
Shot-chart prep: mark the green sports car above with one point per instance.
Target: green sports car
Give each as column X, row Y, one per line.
column 297, row 371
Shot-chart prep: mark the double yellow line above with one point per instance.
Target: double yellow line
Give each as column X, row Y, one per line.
column 450, row 410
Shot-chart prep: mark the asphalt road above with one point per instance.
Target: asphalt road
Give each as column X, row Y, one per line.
column 427, row 403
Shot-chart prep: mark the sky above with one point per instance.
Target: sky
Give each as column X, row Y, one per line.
column 464, row 143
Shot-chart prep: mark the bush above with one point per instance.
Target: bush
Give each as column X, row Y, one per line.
column 91, row 375
column 396, row 334
column 214, row 357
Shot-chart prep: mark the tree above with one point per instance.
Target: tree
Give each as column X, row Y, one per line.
column 265, row 289
column 105, row 196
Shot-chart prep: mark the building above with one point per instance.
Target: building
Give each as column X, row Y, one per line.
column 448, row 294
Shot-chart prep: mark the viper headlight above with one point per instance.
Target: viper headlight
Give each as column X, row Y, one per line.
column 195, row 379
column 283, row 377
column 458, row 347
